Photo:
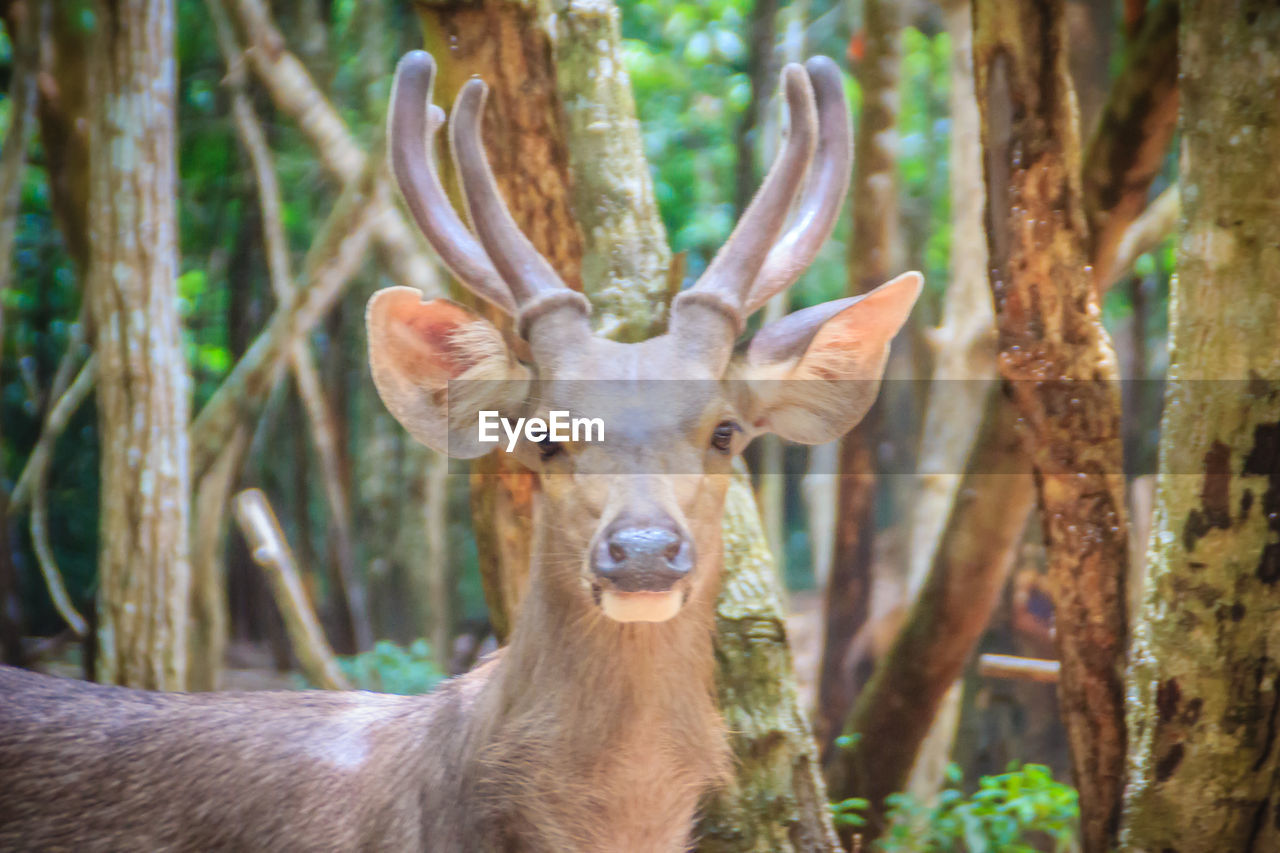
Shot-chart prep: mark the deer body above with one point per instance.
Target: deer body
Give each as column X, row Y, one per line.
column 595, row 729
column 493, row 761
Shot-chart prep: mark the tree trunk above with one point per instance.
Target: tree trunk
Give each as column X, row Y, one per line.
column 873, row 192
column 64, row 125
column 761, row 35
column 777, row 800
column 964, row 370
column 1058, row 362
column 1128, row 150
column 964, row 343
column 505, row 43
column 625, row 258
column 894, row 712
column 143, row 386
column 1205, row 680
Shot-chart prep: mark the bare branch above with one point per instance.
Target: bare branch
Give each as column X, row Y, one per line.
column 332, row 261
column 1128, row 149
column 48, row 564
column 270, row 551
column 37, row 465
column 400, row 250
column 1145, row 233
column 1018, row 668
column 306, row 375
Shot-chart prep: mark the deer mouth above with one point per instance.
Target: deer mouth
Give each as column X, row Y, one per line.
column 640, row 606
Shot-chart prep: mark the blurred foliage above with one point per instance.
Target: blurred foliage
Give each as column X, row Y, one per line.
column 389, row 668
column 1020, row 811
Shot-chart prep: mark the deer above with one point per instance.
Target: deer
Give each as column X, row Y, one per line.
column 595, row 728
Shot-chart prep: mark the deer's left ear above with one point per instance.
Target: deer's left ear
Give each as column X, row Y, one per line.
column 813, row 374
column 436, row 365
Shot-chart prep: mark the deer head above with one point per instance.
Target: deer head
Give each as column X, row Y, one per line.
column 630, row 526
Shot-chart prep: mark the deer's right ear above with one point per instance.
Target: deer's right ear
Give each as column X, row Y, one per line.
column 813, row 374
column 418, row 349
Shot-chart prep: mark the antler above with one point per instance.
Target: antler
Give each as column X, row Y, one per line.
column 819, row 206
column 502, row 267
column 756, row 263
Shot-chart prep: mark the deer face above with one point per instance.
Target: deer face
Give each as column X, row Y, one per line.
column 629, row 513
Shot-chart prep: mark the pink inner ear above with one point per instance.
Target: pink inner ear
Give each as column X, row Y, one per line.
column 842, row 348
column 421, row 339
column 836, row 350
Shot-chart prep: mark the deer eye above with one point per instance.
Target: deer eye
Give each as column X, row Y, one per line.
column 722, row 437
column 548, row 448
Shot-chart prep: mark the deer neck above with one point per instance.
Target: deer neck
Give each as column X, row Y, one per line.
column 616, row 719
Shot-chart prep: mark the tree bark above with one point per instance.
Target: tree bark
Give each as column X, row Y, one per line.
column 1060, row 367
column 1205, row 676
column 505, row 43
column 143, row 386
column 894, row 712
column 625, row 258
column 873, row 192
column 778, row 799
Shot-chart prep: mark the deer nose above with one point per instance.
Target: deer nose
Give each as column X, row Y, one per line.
column 642, row 557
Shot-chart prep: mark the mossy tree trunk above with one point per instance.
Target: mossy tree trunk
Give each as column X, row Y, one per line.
column 143, row 386
column 1059, row 364
column 1205, row 676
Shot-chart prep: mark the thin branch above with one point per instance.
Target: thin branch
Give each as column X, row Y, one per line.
column 400, row 250
column 1145, row 233
column 270, row 551
column 332, row 261
column 306, row 375
column 48, row 564
column 1128, row 149
column 1018, row 668
column 37, row 465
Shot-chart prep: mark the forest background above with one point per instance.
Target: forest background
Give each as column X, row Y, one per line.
column 892, row 575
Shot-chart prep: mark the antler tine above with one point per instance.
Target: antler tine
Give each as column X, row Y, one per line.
column 735, row 267
column 824, row 192
column 534, row 284
column 410, row 126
